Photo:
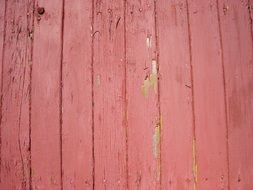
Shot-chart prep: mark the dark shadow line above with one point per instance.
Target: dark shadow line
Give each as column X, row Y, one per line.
column 61, row 92
column 31, row 32
column 250, row 8
column 92, row 93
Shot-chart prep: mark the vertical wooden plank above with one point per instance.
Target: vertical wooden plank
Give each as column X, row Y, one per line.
column 210, row 118
column 2, row 27
column 15, row 150
column 77, row 96
column 109, row 95
column 142, row 96
column 175, row 95
column 2, row 38
column 15, row 153
column 250, row 9
column 235, row 23
column 46, row 89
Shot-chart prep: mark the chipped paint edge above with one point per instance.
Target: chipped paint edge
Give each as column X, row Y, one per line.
column 194, row 165
column 151, row 81
column 156, row 140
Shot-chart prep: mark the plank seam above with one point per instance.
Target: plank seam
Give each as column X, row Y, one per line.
column 225, row 93
column 125, row 97
column 251, row 20
column 92, row 93
column 159, row 159
column 1, row 97
column 193, row 102
column 30, row 98
column 61, row 92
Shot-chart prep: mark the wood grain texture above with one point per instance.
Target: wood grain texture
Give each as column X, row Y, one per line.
column 109, row 95
column 2, row 39
column 46, row 101
column 210, row 118
column 250, row 9
column 77, row 96
column 126, row 94
column 16, row 57
column 175, row 96
column 236, row 23
column 142, row 96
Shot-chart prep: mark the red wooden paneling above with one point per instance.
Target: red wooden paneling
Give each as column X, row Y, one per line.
column 126, row 94
column 2, row 36
column 15, row 153
column 210, row 119
column 46, row 96
column 77, row 96
column 143, row 121
column 236, row 33
column 250, row 9
column 109, row 95
column 175, row 96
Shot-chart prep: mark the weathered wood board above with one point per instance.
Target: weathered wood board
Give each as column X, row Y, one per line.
column 126, row 94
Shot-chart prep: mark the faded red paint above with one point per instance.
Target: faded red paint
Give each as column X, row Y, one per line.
column 142, row 99
column 126, row 94
column 175, row 96
column 77, row 155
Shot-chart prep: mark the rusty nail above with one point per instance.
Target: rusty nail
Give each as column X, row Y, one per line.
column 41, row 10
